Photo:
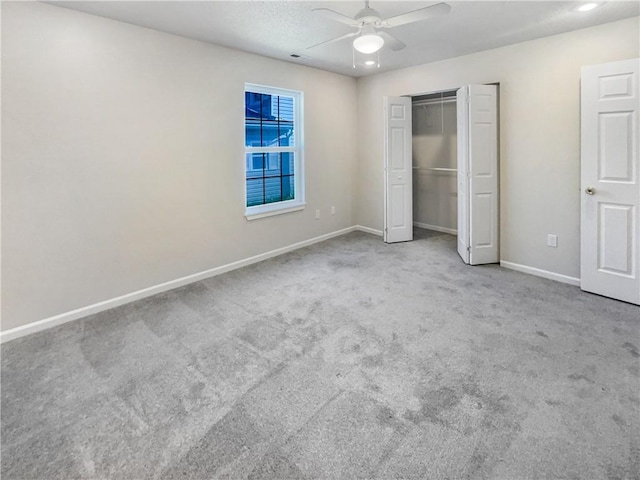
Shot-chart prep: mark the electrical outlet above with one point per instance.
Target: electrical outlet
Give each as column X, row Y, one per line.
column 552, row 240
column 333, row 210
column 317, row 214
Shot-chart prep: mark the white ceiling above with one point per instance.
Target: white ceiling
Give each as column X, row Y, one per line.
column 278, row 29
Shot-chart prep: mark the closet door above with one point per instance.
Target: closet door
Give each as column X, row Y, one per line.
column 398, row 184
column 462, row 107
column 478, row 174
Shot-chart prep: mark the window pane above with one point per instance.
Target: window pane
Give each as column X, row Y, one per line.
column 285, row 121
column 268, row 120
column 269, row 132
column 288, row 192
column 273, row 189
column 256, row 106
column 255, row 165
column 255, row 192
column 274, row 182
column 273, row 164
column 286, row 161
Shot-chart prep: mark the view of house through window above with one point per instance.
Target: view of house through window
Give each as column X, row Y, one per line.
column 272, row 146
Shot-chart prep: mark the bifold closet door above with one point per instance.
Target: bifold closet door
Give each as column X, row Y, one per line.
column 478, row 227
column 398, row 182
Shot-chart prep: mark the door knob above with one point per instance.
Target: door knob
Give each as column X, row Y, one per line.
column 399, row 177
column 590, row 190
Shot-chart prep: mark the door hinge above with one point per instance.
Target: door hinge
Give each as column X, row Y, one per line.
column 468, row 249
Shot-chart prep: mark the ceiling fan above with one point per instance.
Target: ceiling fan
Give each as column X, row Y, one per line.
column 371, row 34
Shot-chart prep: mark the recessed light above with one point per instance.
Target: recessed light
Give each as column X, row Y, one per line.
column 369, row 63
column 587, row 6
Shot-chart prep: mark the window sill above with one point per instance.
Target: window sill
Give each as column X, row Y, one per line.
column 273, row 210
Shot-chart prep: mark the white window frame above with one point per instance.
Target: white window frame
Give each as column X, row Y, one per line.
column 298, row 203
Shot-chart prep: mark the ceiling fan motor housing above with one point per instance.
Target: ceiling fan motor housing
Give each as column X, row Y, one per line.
column 368, row 16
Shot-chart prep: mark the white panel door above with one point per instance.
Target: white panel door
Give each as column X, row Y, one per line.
column 398, row 211
column 610, row 223
column 483, row 174
column 462, row 107
column 478, row 174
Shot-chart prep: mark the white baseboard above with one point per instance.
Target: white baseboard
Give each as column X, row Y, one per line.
column 163, row 287
column 436, row 228
column 541, row 273
column 372, row 231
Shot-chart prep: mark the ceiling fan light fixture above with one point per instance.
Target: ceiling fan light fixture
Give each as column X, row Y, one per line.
column 368, row 43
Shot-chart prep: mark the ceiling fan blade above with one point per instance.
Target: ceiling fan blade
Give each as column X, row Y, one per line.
column 338, row 17
column 417, row 15
column 337, row 39
column 390, row 41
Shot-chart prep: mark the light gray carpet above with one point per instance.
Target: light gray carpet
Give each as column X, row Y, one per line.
column 347, row 359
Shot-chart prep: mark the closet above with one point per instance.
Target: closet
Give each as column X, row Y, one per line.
column 434, row 162
column 441, row 168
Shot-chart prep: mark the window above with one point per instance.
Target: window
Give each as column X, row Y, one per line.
column 274, row 173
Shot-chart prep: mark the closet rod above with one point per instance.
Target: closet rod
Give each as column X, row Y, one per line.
column 435, row 101
column 436, row 169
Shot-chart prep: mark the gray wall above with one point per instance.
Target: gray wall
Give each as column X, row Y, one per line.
column 435, row 193
column 122, row 163
column 539, row 134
